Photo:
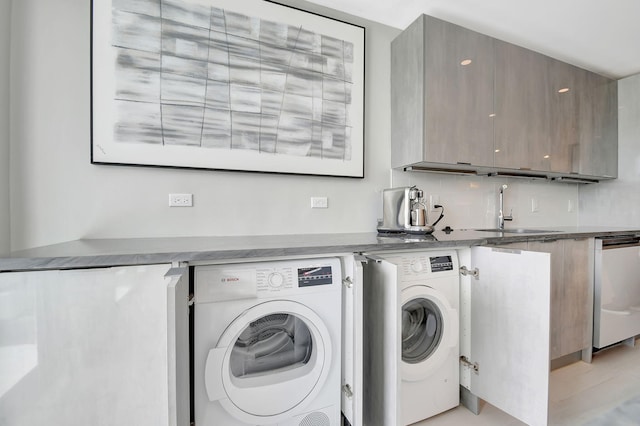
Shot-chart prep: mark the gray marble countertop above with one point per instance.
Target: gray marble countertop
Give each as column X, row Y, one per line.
column 88, row 253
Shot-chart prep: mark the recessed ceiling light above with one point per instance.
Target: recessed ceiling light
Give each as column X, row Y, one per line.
column 497, row 150
column 547, row 156
column 465, row 62
column 492, row 115
column 563, row 90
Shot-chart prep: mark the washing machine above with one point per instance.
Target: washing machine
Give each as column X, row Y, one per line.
column 411, row 322
column 266, row 344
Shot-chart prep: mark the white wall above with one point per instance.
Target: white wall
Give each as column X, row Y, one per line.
column 617, row 202
column 5, row 37
column 57, row 195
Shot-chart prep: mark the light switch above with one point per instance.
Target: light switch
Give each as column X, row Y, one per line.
column 535, row 207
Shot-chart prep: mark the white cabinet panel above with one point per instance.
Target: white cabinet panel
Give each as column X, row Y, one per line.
column 352, row 341
column 177, row 346
column 85, row 347
column 509, row 330
column 382, row 354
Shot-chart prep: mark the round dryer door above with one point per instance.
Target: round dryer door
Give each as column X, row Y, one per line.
column 270, row 362
column 429, row 331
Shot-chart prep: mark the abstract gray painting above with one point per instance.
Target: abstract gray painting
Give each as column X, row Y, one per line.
column 188, row 74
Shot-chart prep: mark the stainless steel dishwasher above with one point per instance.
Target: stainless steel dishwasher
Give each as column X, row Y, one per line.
column 616, row 310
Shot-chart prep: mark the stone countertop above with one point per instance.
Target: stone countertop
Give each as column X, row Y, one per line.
column 90, row 253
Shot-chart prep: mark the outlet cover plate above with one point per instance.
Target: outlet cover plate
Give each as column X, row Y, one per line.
column 319, row 203
column 180, row 200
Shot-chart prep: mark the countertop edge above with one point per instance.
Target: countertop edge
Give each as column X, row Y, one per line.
column 99, row 253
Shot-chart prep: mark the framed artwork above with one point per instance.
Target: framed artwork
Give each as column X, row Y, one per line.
column 246, row 85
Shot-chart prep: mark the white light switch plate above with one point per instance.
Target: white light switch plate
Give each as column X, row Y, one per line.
column 535, row 206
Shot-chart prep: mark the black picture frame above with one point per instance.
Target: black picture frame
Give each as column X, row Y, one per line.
column 247, row 85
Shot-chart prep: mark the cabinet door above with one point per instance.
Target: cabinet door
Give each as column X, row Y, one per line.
column 382, row 353
column 458, row 95
column 441, row 95
column 86, row 347
column 572, row 319
column 352, row 341
column 509, row 331
column 566, row 84
column 556, row 251
column 522, row 99
column 598, row 112
column 576, row 317
column 571, row 294
column 177, row 283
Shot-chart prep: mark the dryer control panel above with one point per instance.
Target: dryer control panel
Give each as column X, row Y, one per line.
column 315, row 275
column 214, row 283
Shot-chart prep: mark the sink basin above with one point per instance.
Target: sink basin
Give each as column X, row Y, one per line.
column 516, row 230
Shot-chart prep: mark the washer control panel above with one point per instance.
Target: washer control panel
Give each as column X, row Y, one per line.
column 441, row 263
column 426, row 264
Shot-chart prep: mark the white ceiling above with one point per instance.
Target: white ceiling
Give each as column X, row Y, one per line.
column 601, row 36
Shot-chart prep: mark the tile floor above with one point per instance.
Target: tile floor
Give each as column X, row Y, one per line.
column 578, row 393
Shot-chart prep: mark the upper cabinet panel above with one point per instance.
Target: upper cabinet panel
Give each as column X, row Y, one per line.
column 459, row 95
column 598, row 126
column 461, row 100
column 565, row 86
column 442, row 95
column 523, row 116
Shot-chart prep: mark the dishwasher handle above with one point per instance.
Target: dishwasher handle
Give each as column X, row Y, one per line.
column 624, row 312
column 620, row 241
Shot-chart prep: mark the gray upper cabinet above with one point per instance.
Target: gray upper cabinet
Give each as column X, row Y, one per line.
column 598, row 126
column 563, row 91
column 442, row 95
column 463, row 101
column 522, row 121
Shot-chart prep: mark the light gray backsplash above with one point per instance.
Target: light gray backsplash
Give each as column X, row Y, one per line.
column 472, row 202
column 617, row 202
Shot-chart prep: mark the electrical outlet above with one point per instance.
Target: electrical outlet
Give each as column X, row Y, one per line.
column 180, row 200
column 319, row 203
column 433, row 201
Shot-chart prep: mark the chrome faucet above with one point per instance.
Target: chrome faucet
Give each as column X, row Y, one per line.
column 501, row 217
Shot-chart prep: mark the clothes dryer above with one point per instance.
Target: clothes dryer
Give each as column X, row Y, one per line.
column 267, row 343
column 411, row 320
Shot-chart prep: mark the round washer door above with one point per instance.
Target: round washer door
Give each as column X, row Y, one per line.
column 429, row 331
column 271, row 360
